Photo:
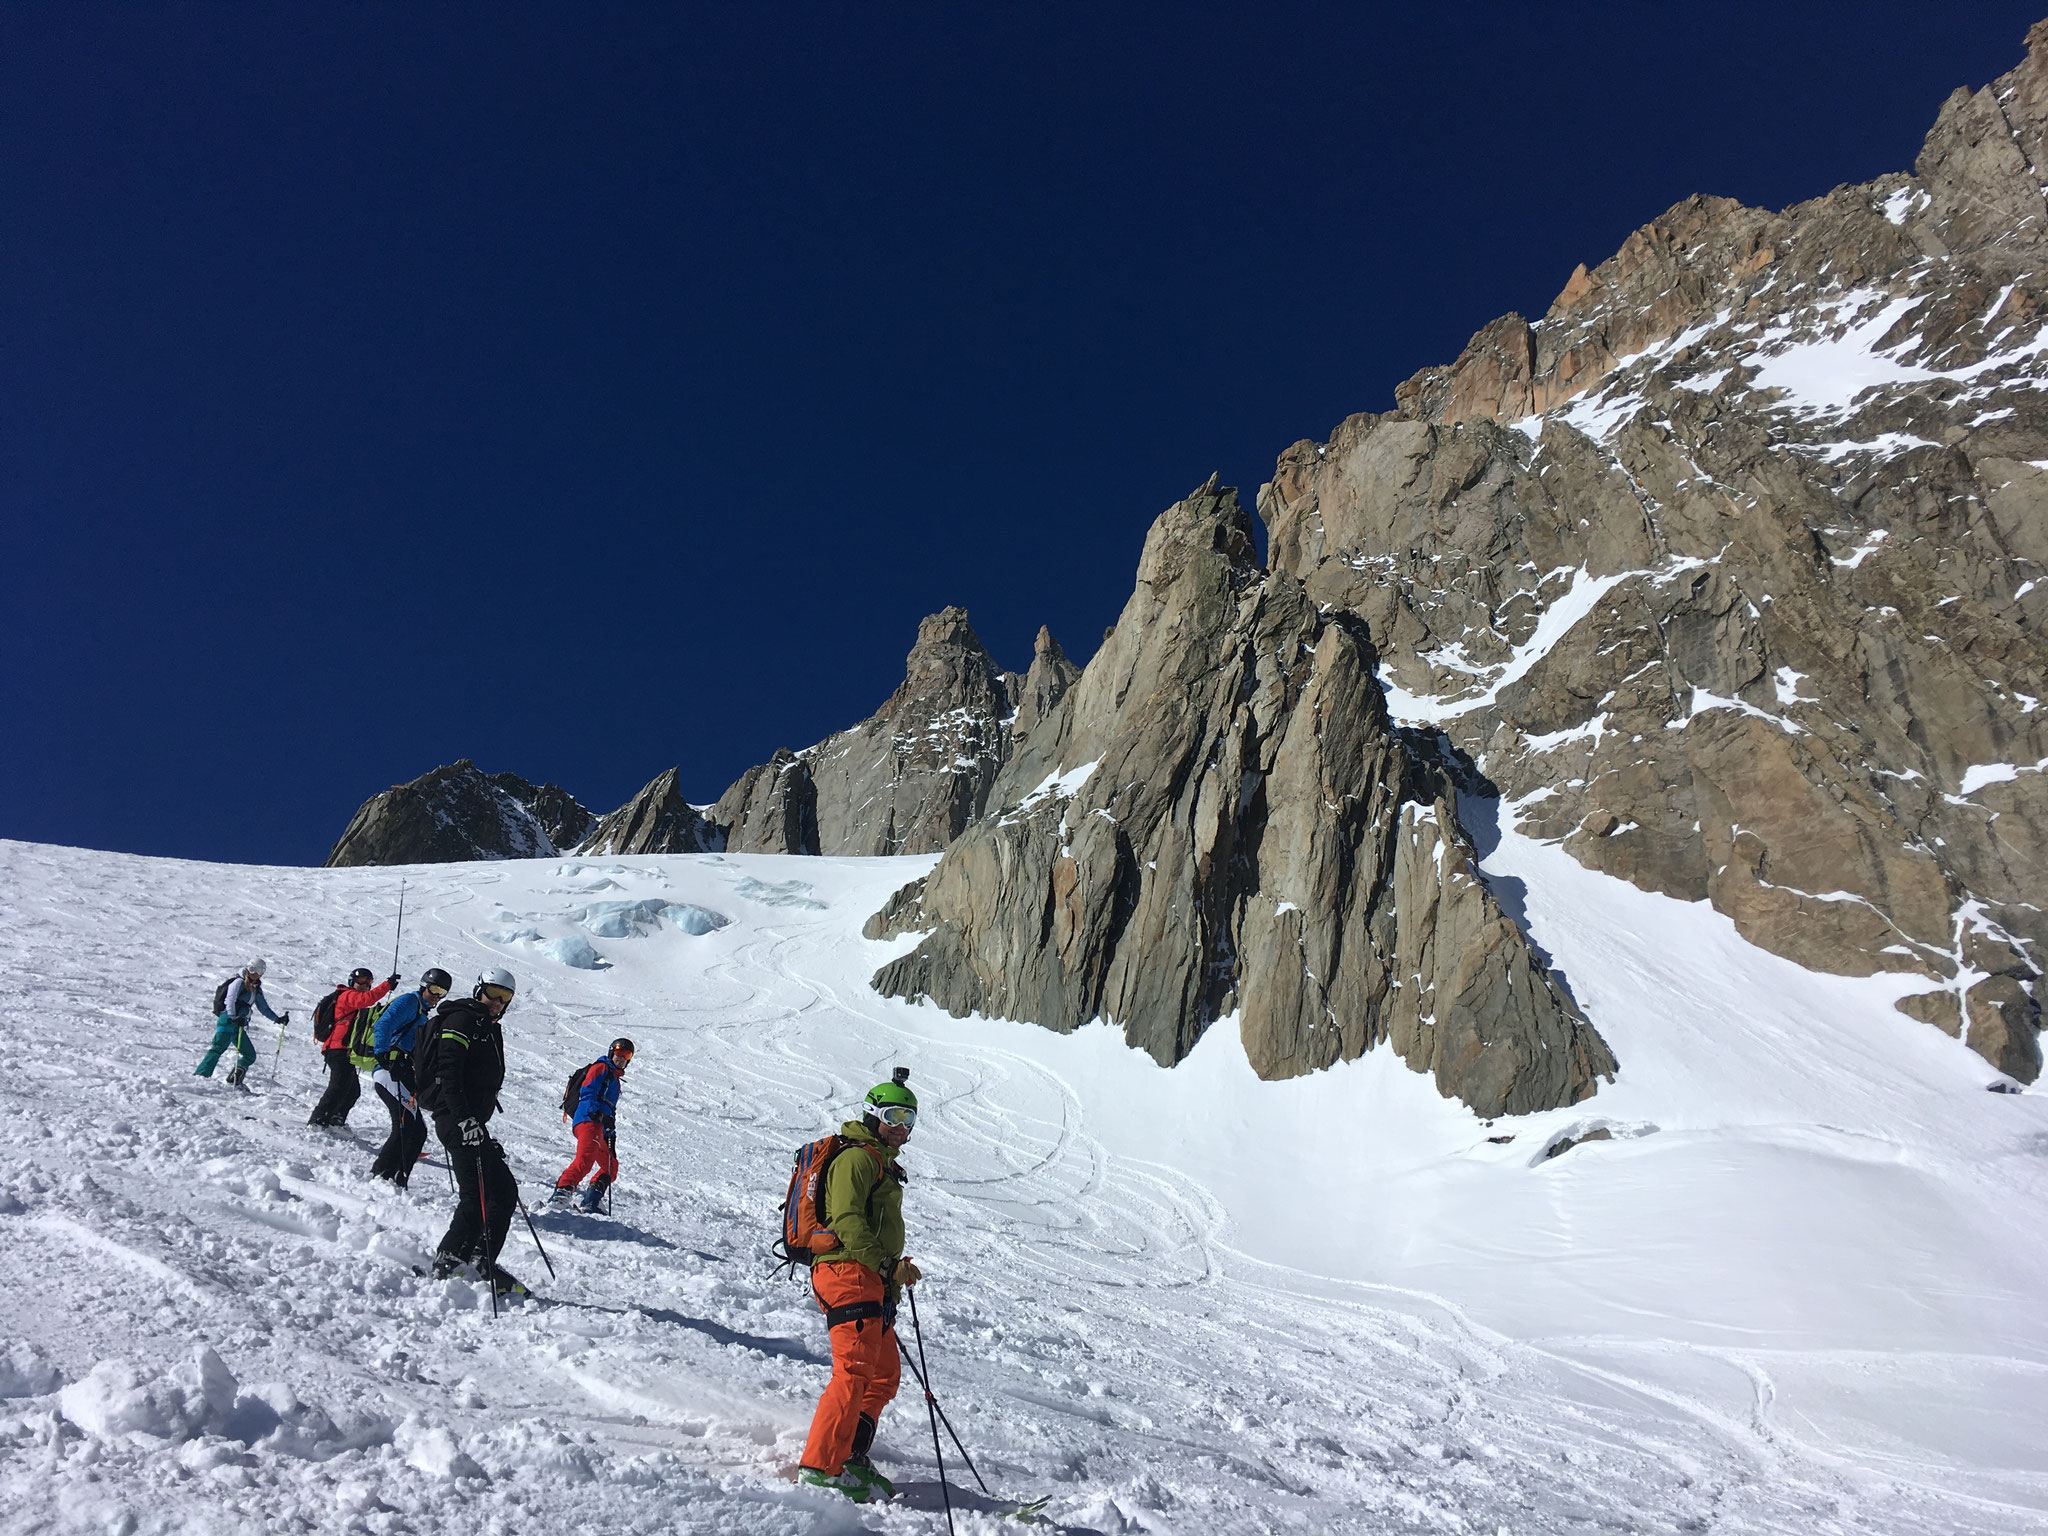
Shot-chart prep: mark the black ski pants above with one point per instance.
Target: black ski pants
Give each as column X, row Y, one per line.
column 401, row 1149
column 485, row 1195
column 343, row 1089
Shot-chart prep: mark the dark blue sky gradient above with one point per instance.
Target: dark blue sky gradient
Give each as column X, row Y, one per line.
column 590, row 389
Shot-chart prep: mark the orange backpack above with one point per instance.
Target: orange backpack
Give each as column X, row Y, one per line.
column 804, row 1233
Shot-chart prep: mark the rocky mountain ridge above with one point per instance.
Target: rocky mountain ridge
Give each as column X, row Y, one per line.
column 907, row 779
column 1219, row 817
column 1729, row 571
column 459, row 813
column 1729, row 574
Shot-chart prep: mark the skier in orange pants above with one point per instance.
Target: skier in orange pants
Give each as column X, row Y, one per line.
column 858, row 1285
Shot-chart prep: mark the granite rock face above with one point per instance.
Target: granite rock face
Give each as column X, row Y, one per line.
column 911, row 776
column 1731, row 571
column 657, row 820
column 461, row 813
column 771, row 808
column 1219, row 816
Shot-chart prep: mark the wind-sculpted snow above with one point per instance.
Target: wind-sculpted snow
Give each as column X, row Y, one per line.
column 1786, row 1292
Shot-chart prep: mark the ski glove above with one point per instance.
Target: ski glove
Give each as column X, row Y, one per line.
column 472, row 1132
column 393, row 979
column 906, row 1272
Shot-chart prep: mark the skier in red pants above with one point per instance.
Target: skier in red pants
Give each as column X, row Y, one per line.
column 596, row 1110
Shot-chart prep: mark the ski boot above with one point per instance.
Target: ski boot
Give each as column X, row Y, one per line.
column 858, row 1465
column 503, row 1281
column 845, row 1482
column 593, row 1197
column 560, row 1199
column 451, row 1266
column 235, row 1075
column 878, row 1486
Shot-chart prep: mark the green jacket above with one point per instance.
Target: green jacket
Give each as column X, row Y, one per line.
column 864, row 1202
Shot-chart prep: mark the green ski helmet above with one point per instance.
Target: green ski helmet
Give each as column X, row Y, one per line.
column 891, row 1103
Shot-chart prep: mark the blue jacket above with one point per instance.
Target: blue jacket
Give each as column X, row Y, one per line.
column 241, row 999
column 600, row 1098
column 398, row 1026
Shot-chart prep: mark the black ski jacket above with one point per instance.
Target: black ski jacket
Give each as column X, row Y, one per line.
column 461, row 1061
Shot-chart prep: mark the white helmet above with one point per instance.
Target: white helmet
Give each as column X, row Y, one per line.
column 254, row 967
column 496, row 976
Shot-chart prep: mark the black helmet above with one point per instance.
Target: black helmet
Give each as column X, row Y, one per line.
column 360, row 976
column 622, row 1044
column 436, row 977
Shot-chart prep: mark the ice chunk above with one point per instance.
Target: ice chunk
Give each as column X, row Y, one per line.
column 637, row 919
column 696, row 920
column 574, row 951
column 783, row 893
column 622, row 919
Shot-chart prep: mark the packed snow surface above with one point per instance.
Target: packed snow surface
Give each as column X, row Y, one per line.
column 1797, row 1287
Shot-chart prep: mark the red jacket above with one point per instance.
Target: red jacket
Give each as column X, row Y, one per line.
column 353, row 1000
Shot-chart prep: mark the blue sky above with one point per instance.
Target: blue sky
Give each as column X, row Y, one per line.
column 591, row 390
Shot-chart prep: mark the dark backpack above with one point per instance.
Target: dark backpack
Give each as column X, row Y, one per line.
column 427, row 1046
column 220, row 997
column 323, row 1016
column 572, row 1091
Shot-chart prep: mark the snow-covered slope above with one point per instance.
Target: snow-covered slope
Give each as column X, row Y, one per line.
column 1798, row 1289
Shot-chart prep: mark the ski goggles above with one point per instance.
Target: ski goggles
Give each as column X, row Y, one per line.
column 434, row 992
column 497, row 994
column 622, row 1056
column 895, row 1114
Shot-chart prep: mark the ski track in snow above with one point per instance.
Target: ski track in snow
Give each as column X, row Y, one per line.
column 1104, row 1326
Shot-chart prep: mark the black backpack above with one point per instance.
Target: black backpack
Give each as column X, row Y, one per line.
column 426, row 1046
column 572, row 1091
column 323, row 1016
column 220, row 996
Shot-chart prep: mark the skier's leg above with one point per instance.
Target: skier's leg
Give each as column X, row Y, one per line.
column 887, row 1374
column 501, row 1190
column 853, row 1362
column 589, row 1150
column 387, row 1166
column 467, row 1225
column 223, row 1037
column 331, row 1101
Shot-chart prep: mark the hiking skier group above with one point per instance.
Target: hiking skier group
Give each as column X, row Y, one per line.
column 441, row 1059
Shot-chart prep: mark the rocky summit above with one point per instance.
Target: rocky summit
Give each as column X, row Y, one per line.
column 1219, row 816
column 459, row 813
column 1730, row 572
column 913, row 775
column 657, row 820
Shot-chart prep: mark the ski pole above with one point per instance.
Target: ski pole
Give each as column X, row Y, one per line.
column 931, row 1405
column 951, row 1433
column 536, row 1239
column 484, row 1236
column 398, row 936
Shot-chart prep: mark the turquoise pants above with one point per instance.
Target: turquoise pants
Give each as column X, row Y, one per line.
column 226, row 1032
